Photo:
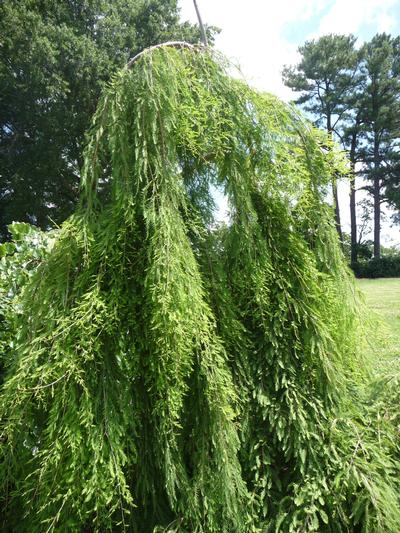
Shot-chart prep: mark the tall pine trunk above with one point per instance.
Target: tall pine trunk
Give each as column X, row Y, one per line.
column 353, row 213
column 377, row 202
column 337, row 210
column 334, row 187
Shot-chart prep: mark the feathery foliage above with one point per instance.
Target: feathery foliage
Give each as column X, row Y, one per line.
column 173, row 375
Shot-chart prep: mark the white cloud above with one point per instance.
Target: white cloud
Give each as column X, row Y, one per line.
column 348, row 16
column 252, row 35
column 386, row 23
column 252, row 32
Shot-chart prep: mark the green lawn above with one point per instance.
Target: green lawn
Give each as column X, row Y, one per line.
column 382, row 297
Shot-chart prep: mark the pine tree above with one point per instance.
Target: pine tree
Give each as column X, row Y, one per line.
column 172, row 375
column 381, row 133
column 325, row 76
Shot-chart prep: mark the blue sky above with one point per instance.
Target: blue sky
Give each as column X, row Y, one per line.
column 297, row 32
column 262, row 36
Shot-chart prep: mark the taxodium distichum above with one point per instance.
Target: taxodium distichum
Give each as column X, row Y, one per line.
column 178, row 373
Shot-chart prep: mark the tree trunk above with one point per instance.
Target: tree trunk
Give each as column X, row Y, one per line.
column 353, row 220
column 377, row 203
column 202, row 30
column 337, row 211
column 353, row 213
column 377, row 218
column 334, row 187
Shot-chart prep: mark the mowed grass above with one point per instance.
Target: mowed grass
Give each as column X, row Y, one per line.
column 382, row 298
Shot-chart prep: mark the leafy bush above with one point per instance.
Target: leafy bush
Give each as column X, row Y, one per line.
column 364, row 249
column 19, row 258
column 384, row 267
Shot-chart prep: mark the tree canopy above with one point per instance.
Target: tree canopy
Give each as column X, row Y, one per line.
column 325, row 75
column 172, row 374
column 55, row 57
column 381, row 133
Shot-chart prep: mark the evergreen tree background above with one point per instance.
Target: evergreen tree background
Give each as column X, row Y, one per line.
column 355, row 93
column 380, row 148
column 326, row 76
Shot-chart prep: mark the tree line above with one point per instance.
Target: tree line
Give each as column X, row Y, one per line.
column 354, row 93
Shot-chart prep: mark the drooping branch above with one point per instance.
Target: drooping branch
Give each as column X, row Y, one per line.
column 172, row 44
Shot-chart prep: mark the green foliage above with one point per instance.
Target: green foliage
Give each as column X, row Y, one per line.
column 382, row 267
column 380, row 151
column 175, row 376
column 364, row 249
column 18, row 261
column 55, row 58
column 326, row 75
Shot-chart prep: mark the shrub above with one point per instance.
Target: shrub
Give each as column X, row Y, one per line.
column 384, row 267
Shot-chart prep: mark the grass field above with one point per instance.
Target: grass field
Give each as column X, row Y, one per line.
column 382, row 297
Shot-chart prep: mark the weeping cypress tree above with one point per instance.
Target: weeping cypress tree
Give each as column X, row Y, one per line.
column 176, row 375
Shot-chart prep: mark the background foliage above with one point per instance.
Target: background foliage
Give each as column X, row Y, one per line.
column 354, row 93
column 55, row 57
column 19, row 259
